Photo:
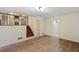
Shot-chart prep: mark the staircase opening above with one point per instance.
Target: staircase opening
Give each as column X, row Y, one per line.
column 29, row 30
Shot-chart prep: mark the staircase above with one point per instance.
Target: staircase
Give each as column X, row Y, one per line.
column 29, row 32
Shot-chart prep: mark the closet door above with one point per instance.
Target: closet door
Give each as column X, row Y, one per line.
column 55, row 24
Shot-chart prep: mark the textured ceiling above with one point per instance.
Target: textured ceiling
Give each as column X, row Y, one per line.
column 47, row 12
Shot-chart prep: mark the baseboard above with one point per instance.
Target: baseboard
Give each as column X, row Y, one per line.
column 68, row 40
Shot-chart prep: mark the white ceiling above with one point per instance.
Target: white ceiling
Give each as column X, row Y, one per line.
column 48, row 12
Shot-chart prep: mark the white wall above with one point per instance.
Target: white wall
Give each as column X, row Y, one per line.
column 10, row 34
column 66, row 26
column 69, row 27
column 48, row 26
column 42, row 27
column 51, row 26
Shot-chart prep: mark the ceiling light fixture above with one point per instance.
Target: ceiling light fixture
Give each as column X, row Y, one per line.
column 40, row 8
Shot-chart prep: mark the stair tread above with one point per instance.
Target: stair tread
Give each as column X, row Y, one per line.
column 29, row 31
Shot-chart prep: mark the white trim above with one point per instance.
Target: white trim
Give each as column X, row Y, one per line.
column 30, row 37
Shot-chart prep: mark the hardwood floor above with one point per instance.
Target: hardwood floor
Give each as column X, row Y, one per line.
column 43, row 44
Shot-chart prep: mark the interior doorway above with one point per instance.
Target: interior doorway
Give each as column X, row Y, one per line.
column 29, row 30
column 56, row 27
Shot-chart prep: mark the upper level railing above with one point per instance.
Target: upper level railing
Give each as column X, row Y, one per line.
column 12, row 20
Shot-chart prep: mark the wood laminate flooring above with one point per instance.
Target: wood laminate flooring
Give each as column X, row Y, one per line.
column 43, row 44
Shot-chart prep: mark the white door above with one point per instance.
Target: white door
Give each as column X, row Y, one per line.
column 56, row 27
